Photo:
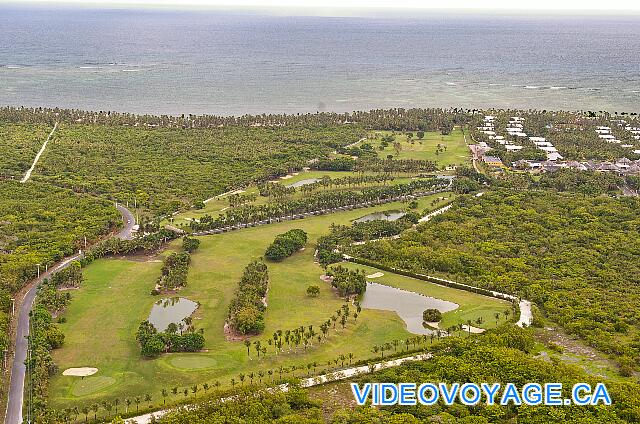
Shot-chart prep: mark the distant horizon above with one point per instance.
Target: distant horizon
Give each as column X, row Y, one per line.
column 341, row 9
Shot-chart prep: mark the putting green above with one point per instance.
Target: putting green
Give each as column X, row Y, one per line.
column 90, row 385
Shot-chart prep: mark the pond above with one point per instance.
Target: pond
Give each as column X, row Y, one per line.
column 386, row 216
column 166, row 311
column 304, row 182
column 408, row 305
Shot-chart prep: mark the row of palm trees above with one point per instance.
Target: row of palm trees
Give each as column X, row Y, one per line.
column 303, row 335
column 437, row 334
column 324, row 201
column 393, row 119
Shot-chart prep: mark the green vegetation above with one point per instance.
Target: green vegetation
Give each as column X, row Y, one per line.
column 19, row 144
column 444, row 150
column 286, row 244
column 31, row 233
column 166, row 169
column 246, row 311
column 544, row 247
column 348, row 282
column 431, row 315
column 557, row 239
column 174, row 271
column 502, row 355
column 153, row 343
column 118, row 291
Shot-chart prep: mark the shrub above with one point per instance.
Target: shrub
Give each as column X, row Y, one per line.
column 431, row 315
column 190, row 244
column 313, row 291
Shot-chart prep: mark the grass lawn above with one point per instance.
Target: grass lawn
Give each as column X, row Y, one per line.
column 456, row 152
column 106, row 311
column 471, row 305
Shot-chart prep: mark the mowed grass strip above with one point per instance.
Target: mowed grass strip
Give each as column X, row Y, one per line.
column 106, row 311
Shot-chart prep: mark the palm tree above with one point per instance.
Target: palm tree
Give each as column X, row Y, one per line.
column 350, row 356
column 147, row 398
column 116, row 402
column 247, row 343
column 469, row 326
column 251, row 377
column 205, row 387
column 270, row 373
column 194, row 390
column 137, row 401
column 260, row 375
column 108, row 406
column 164, row 396
column 342, row 359
column 185, row 392
column 497, row 315
column 174, row 391
column 216, row 384
column 375, row 349
column 85, row 411
column 127, row 402
column 94, row 408
column 257, row 346
column 233, row 382
column 241, row 377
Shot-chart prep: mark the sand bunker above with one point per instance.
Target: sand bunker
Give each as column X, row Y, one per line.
column 375, row 275
column 80, row 372
column 474, row 330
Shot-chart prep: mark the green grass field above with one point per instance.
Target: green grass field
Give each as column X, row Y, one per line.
column 106, row 311
column 454, row 149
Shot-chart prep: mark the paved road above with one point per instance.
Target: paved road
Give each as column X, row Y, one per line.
column 16, row 387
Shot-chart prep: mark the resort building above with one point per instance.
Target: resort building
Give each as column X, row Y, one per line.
column 493, row 161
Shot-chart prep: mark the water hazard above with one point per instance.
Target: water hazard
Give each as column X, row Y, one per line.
column 172, row 310
column 408, row 305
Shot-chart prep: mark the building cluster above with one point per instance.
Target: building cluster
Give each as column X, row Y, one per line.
column 623, row 166
column 554, row 161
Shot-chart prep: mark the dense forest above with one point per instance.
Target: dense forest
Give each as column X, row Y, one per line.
column 545, row 247
column 166, row 169
column 41, row 224
column 19, row 144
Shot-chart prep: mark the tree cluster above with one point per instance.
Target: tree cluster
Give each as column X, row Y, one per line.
column 286, row 244
column 153, row 343
column 347, row 282
column 246, row 311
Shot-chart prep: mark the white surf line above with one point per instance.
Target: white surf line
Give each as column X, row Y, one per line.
column 35, row 161
column 304, row 382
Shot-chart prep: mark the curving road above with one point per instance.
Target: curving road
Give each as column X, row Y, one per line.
column 16, row 387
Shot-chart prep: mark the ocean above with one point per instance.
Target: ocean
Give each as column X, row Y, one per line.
column 223, row 63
